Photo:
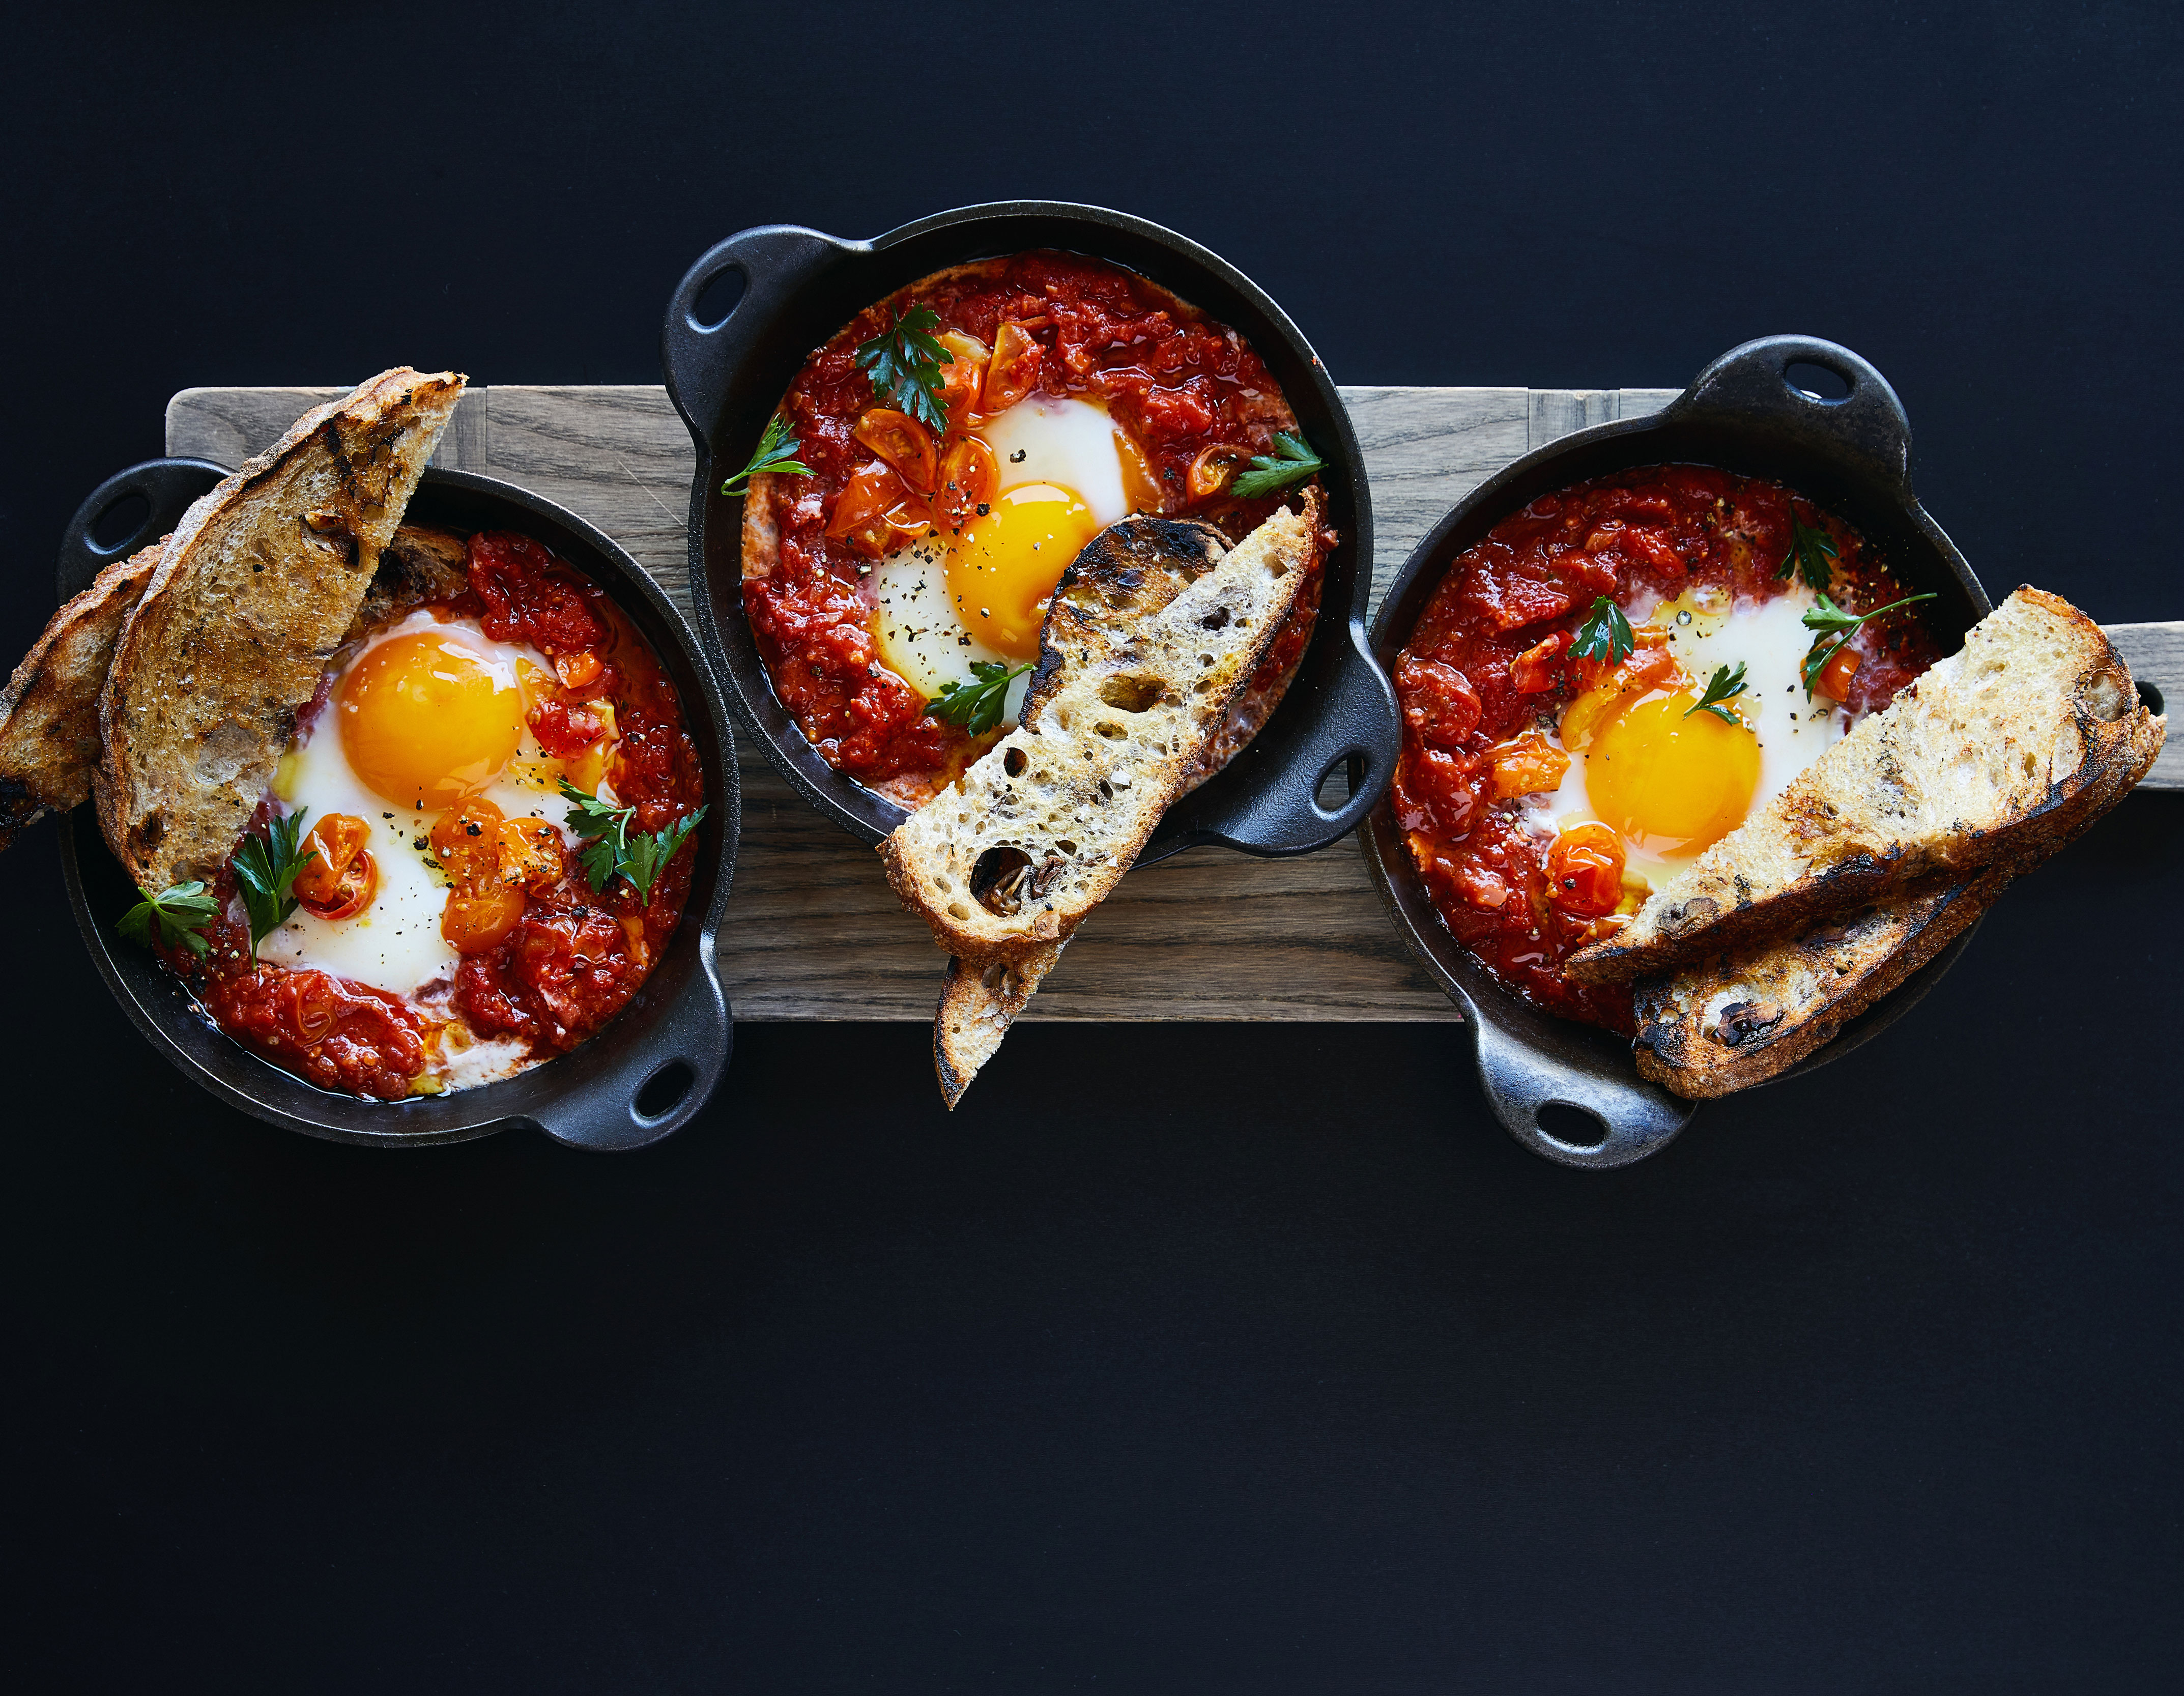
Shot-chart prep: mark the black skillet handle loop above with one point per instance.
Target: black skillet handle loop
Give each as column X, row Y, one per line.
column 1641, row 1119
column 701, row 359
column 689, row 1048
column 1750, row 388
column 1361, row 728
column 167, row 486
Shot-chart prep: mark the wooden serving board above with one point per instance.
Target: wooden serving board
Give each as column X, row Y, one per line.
column 813, row 930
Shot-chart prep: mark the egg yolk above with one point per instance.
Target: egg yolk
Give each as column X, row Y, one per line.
column 1669, row 781
column 425, row 723
column 1006, row 563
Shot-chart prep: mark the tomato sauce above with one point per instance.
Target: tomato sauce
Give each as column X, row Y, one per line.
column 564, row 957
column 1182, row 387
column 1489, row 663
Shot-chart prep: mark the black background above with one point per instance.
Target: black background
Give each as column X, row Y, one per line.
column 1214, row 1358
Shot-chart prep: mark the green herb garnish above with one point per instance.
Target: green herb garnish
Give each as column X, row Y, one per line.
column 1296, row 462
column 615, row 851
column 1605, row 635
column 1840, row 624
column 180, row 911
column 977, row 707
column 776, row 453
column 1811, row 552
column 1724, row 686
column 266, row 869
column 904, row 363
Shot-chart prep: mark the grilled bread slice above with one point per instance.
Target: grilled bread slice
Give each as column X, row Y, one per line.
column 1996, row 757
column 1153, row 628
column 1727, row 1023
column 977, row 1005
column 49, row 710
column 255, row 589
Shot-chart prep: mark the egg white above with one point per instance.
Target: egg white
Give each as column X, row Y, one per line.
column 395, row 943
column 1040, row 439
column 1706, row 633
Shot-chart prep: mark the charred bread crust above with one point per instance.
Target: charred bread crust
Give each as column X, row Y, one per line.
column 257, row 586
column 49, row 710
column 977, row 1005
column 1148, row 636
column 1998, row 756
column 1727, row 1023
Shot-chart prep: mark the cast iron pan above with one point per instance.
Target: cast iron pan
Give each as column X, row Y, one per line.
column 643, row 1076
column 1852, row 456
column 726, row 374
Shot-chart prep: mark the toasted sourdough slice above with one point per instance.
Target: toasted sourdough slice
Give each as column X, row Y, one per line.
column 1152, row 629
column 1726, row 1022
column 977, row 1005
column 49, row 710
column 256, row 588
column 1997, row 756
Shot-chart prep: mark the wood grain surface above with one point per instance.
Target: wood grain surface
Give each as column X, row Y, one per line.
column 813, row 931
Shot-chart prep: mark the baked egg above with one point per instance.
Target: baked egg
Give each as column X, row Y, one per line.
column 1644, row 758
column 425, row 715
column 1060, row 471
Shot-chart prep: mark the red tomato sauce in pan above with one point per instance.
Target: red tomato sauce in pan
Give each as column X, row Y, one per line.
column 1487, row 666
column 545, row 959
column 1192, row 398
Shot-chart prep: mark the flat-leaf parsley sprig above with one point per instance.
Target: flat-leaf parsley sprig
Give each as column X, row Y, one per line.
column 1723, row 687
column 615, row 849
column 977, row 707
column 179, row 913
column 1812, row 553
column 1292, row 461
column 904, row 363
column 776, row 452
column 266, row 870
column 1836, row 626
column 1605, row 636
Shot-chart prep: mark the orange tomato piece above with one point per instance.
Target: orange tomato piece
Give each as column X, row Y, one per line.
column 962, row 381
column 1534, row 671
column 904, row 443
column 473, row 923
column 332, row 844
column 1525, row 765
column 970, row 477
column 1834, row 680
column 1013, row 371
column 531, row 854
column 579, row 669
column 466, row 842
column 861, row 511
column 1213, row 470
column 1584, row 870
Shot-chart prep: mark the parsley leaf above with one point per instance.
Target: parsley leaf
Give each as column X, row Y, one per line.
column 180, row 911
column 1812, row 552
column 1295, row 463
column 1841, row 624
column 613, row 852
column 266, row 869
column 977, row 707
column 650, row 851
column 1605, row 635
column 904, row 363
column 1725, row 686
column 776, row 452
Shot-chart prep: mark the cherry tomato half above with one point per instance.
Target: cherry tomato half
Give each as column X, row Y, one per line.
column 1013, row 371
column 1584, row 870
column 904, row 443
